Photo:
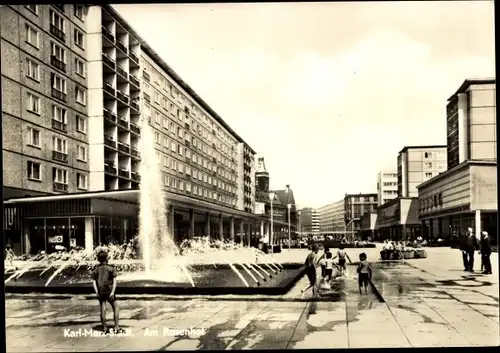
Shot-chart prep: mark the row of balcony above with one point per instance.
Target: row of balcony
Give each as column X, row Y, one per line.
column 121, row 172
column 120, row 70
column 110, row 116
column 59, row 187
column 56, row 32
column 59, row 95
column 120, row 45
column 122, row 147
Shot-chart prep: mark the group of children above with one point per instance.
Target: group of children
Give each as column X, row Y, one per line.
column 327, row 264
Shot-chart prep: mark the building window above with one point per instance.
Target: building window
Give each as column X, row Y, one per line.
column 166, row 180
column 157, row 97
column 58, row 83
column 58, row 52
column 32, row 36
column 179, row 149
column 33, row 70
column 33, row 137
column 34, row 171
column 79, row 39
column 78, row 9
column 60, row 176
column 81, row 181
column 157, row 117
column 81, row 124
column 57, row 21
column 165, row 123
column 80, row 96
column 79, row 67
column 173, row 147
column 33, row 103
column 60, row 145
column 428, row 165
column 59, row 114
column 428, row 155
column 428, row 176
column 165, row 161
column 82, row 153
column 157, row 137
column 174, row 164
column 33, row 8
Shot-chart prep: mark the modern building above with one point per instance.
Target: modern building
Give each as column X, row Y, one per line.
column 332, row 218
column 355, row 206
column 85, row 88
column 309, row 222
column 387, row 186
column 398, row 219
column 417, row 164
column 368, row 225
column 466, row 194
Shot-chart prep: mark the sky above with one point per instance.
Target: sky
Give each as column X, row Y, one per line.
column 327, row 93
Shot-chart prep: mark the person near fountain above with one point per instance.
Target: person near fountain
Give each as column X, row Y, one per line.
column 342, row 255
column 364, row 273
column 311, row 264
column 329, row 267
column 322, row 262
column 105, row 286
column 9, row 256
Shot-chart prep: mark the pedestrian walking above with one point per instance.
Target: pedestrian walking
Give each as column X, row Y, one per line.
column 485, row 253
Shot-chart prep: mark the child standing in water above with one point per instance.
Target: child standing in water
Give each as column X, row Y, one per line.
column 311, row 270
column 342, row 256
column 105, row 285
column 364, row 273
column 328, row 267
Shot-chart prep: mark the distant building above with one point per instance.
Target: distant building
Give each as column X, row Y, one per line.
column 331, row 217
column 387, row 186
column 466, row 194
column 417, row 164
column 355, row 206
column 397, row 219
column 309, row 221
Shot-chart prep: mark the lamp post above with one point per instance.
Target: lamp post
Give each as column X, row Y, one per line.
column 271, row 238
column 289, row 227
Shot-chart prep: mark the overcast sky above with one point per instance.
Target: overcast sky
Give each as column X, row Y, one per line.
column 327, row 93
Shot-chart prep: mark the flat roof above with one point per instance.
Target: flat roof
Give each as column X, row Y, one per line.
column 361, row 194
column 395, row 201
column 420, row 147
column 462, row 165
column 472, row 81
column 158, row 60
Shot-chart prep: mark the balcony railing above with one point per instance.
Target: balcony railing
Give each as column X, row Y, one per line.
column 147, row 98
column 133, row 56
column 123, row 173
column 134, row 105
column 57, row 33
column 59, row 125
column 123, row 147
column 122, row 96
column 108, row 61
column 135, row 176
column 59, row 156
column 58, row 94
column 122, row 47
column 59, row 187
column 134, row 81
column 109, row 115
column 135, row 128
column 135, row 152
column 107, row 33
column 121, row 71
column 109, row 88
column 123, row 123
column 110, row 169
column 58, row 64
column 108, row 141
column 146, row 76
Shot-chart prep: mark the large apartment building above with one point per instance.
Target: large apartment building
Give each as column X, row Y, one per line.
column 355, row 206
column 309, row 221
column 387, row 186
column 78, row 86
column 417, row 164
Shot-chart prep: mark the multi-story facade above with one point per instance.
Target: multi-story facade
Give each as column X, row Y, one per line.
column 85, row 88
column 44, row 99
column 246, row 178
column 465, row 195
column 417, row 164
column 309, row 221
column 332, row 217
column 387, row 186
column 355, row 206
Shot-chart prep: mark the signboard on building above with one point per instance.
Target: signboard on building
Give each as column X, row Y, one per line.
column 56, row 239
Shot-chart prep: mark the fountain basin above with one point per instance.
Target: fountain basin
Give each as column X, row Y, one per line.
column 209, row 279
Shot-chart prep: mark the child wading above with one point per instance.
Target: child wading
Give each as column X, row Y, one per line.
column 328, row 266
column 364, row 273
column 105, row 286
column 342, row 255
column 311, row 270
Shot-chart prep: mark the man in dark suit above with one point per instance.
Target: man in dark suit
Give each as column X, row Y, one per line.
column 471, row 245
column 485, row 253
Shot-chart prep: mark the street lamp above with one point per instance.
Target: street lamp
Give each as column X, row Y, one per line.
column 289, row 239
column 271, row 239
